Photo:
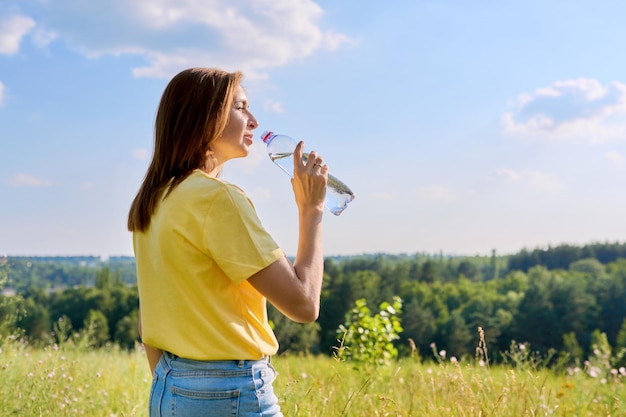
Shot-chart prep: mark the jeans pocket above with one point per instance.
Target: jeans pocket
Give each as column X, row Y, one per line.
column 193, row 402
column 268, row 402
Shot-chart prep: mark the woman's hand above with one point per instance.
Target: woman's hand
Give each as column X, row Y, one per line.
column 309, row 179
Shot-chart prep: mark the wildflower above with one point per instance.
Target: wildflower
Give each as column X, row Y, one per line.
column 453, row 359
column 481, row 362
column 522, row 346
column 98, row 375
column 62, row 358
column 30, row 374
column 622, row 371
column 603, row 381
column 51, row 375
column 303, row 375
column 614, row 372
column 430, row 371
column 442, row 353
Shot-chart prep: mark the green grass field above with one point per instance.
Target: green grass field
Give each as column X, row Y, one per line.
column 108, row 382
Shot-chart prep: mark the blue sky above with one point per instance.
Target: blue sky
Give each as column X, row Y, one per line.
column 461, row 126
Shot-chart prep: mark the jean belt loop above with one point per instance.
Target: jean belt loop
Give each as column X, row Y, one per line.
column 241, row 363
column 166, row 361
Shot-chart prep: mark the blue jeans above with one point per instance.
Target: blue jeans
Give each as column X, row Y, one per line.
column 189, row 388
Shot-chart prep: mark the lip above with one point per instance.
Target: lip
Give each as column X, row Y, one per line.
column 249, row 138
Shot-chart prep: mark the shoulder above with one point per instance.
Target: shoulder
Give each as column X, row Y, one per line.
column 200, row 187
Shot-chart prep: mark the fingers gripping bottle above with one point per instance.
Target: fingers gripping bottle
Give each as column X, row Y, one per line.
column 280, row 149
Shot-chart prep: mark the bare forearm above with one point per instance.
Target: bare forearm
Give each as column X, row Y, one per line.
column 309, row 262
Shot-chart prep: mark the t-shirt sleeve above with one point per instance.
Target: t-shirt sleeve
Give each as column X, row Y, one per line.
column 235, row 238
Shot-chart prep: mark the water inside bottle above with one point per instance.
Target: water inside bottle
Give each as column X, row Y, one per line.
column 338, row 194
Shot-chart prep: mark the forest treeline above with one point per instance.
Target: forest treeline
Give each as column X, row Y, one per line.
column 558, row 298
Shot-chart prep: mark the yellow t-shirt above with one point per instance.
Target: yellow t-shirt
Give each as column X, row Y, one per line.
column 204, row 241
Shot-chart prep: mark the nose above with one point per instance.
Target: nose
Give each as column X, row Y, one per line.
column 252, row 122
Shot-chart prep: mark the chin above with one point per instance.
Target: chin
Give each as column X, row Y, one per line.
column 245, row 152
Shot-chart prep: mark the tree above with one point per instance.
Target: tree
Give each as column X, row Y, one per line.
column 494, row 265
column 294, row 337
column 420, row 325
column 456, row 335
column 621, row 336
column 429, row 272
column 127, row 331
column 536, row 321
column 33, row 319
column 589, row 266
column 572, row 348
column 469, row 270
column 574, row 306
column 96, row 328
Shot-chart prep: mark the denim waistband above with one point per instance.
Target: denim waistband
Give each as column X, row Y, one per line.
column 173, row 361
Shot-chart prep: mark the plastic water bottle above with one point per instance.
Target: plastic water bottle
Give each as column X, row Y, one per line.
column 280, row 150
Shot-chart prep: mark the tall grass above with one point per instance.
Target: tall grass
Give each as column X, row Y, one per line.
column 69, row 381
column 323, row 387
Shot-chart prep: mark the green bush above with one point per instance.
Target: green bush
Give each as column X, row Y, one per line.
column 369, row 338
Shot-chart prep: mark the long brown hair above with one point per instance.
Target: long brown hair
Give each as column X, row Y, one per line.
column 193, row 112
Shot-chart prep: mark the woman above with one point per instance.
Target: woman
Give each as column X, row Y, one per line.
column 206, row 265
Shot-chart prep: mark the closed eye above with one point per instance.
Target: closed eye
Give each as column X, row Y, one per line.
column 241, row 105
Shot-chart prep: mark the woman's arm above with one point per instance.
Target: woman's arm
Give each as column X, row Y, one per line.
column 295, row 289
column 153, row 354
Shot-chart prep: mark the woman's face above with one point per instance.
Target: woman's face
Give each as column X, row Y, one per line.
column 237, row 136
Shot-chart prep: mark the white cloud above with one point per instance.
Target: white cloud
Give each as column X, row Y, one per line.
column 12, row 30
column 140, row 154
column 43, row 38
column 250, row 35
column 580, row 108
column 436, row 193
column 614, row 156
column 273, row 106
column 536, row 179
column 508, row 174
column 24, row 180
